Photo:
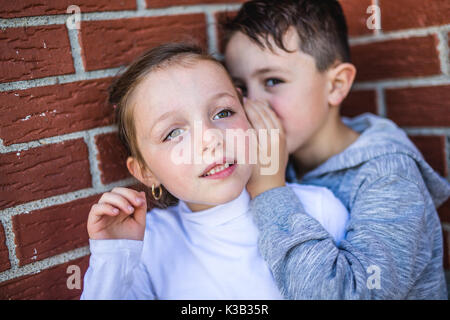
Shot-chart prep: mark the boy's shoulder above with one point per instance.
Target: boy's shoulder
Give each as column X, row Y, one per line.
column 398, row 164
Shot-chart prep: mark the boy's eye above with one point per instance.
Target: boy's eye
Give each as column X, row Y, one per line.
column 223, row 114
column 173, row 134
column 273, row 82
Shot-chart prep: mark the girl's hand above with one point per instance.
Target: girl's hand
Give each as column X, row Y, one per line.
column 119, row 214
column 261, row 116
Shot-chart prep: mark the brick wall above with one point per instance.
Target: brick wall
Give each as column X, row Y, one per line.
column 58, row 147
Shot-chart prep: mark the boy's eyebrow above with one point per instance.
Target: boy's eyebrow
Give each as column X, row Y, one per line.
column 267, row 70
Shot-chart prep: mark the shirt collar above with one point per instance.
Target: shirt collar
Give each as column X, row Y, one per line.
column 219, row 214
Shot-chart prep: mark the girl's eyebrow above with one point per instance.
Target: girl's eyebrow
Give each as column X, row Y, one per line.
column 165, row 115
column 221, row 95
column 214, row 97
column 156, row 124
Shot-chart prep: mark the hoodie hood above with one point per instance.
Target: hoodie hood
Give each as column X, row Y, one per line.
column 379, row 137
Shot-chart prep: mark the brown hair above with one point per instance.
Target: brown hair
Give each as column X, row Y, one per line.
column 122, row 88
column 320, row 25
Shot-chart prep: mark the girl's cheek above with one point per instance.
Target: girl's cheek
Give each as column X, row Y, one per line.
column 240, row 122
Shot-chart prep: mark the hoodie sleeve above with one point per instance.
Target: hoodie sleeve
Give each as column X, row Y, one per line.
column 115, row 271
column 385, row 249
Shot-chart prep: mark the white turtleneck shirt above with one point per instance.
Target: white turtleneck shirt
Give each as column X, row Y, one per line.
column 210, row 254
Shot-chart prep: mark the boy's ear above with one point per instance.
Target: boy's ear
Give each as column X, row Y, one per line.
column 341, row 78
column 141, row 173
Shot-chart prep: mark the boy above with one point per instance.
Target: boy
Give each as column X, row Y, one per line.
column 294, row 56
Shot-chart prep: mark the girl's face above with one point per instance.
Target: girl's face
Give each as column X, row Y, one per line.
column 182, row 115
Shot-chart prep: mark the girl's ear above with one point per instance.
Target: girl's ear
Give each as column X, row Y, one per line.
column 141, row 173
column 341, row 78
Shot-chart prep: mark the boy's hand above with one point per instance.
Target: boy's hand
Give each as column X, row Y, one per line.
column 261, row 116
column 119, row 214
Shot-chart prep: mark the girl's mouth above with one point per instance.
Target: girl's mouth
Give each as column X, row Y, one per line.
column 219, row 171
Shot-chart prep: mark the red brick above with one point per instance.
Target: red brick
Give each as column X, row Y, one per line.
column 444, row 211
column 112, row 43
column 405, row 14
column 168, row 3
column 112, row 158
column 4, row 255
column 446, row 249
column 43, row 172
column 48, row 284
column 34, row 52
column 47, row 232
column 27, row 8
column 48, row 111
column 422, row 106
column 399, row 58
column 433, row 150
column 358, row 102
column 222, row 17
column 356, row 15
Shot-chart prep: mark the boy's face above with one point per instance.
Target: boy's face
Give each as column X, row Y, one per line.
column 288, row 81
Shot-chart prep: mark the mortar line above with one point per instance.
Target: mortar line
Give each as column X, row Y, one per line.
column 46, row 20
column 41, row 265
column 26, row 208
column 447, row 155
column 10, row 241
column 17, row 147
column 444, row 52
column 93, row 161
column 427, row 131
column 211, row 33
column 75, row 50
column 381, row 102
column 59, row 79
column 398, row 34
column 378, row 31
column 141, row 5
column 437, row 80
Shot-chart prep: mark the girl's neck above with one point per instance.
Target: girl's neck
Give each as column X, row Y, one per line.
column 194, row 207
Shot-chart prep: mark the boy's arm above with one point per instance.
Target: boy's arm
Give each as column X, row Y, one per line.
column 386, row 247
column 115, row 271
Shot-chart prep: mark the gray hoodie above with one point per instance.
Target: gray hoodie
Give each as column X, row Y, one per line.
column 393, row 247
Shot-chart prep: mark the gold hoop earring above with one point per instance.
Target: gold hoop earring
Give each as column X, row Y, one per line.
column 159, row 193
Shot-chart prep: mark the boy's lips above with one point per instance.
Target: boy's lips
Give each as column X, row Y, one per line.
column 216, row 170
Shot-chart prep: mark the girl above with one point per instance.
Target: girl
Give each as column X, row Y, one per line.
column 205, row 246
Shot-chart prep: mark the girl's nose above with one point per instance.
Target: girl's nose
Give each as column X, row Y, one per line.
column 212, row 138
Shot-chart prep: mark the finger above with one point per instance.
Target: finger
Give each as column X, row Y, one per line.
column 133, row 196
column 263, row 109
column 255, row 117
column 118, row 201
column 276, row 121
column 140, row 213
column 99, row 210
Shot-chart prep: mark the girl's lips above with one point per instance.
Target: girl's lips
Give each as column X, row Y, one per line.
column 222, row 174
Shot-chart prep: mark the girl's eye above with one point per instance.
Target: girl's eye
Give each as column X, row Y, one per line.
column 273, row 82
column 173, row 134
column 223, row 114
